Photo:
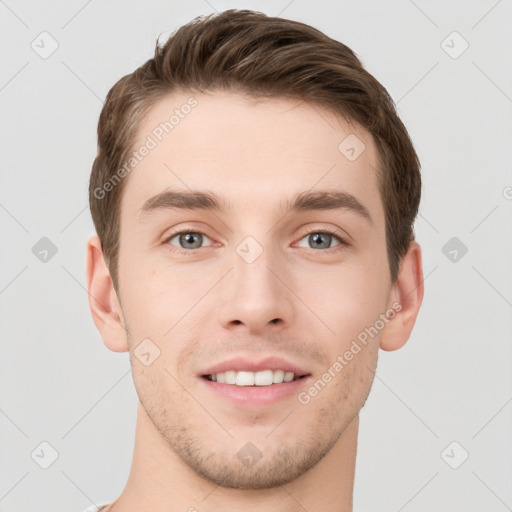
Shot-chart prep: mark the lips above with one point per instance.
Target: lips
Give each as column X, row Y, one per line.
column 253, row 364
column 252, row 397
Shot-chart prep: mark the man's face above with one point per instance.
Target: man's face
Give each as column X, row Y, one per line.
column 255, row 280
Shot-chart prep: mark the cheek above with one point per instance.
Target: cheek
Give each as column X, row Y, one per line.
column 152, row 296
column 155, row 388
column 347, row 298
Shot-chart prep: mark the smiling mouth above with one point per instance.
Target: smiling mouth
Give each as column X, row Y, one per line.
column 260, row 378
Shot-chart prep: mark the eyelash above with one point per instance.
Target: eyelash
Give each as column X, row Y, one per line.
column 342, row 242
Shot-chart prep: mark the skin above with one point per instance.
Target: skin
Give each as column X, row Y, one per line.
column 211, row 304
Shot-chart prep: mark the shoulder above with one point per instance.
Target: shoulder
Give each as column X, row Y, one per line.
column 96, row 508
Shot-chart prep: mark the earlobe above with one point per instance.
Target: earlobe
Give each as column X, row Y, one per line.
column 103, row 302
column 408, row 293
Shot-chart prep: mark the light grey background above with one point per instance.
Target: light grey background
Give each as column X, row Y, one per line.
column 451, row 382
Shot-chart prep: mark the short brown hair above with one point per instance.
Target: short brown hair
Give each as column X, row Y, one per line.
column 265, row 57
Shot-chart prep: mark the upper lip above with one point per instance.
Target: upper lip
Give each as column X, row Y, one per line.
column 253, row 364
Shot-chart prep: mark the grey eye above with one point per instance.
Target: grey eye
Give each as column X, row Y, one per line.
column 189, row 239
column 320, row 240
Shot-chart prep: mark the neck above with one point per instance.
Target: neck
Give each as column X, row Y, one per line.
column 160, row 481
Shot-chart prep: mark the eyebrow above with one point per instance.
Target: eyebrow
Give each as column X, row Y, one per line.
column 206, row 200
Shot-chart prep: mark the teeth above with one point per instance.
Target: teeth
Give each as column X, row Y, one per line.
column 244, row 379
column 262, row 378
column 278, row 376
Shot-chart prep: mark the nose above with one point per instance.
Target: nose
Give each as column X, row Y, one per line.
column 256, row 294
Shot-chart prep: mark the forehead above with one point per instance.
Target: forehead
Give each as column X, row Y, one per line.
column 252, row 152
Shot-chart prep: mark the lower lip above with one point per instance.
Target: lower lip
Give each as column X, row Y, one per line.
column 256, row 396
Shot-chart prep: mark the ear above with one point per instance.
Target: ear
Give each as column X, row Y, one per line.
column 103, row 301
column 408, row 293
